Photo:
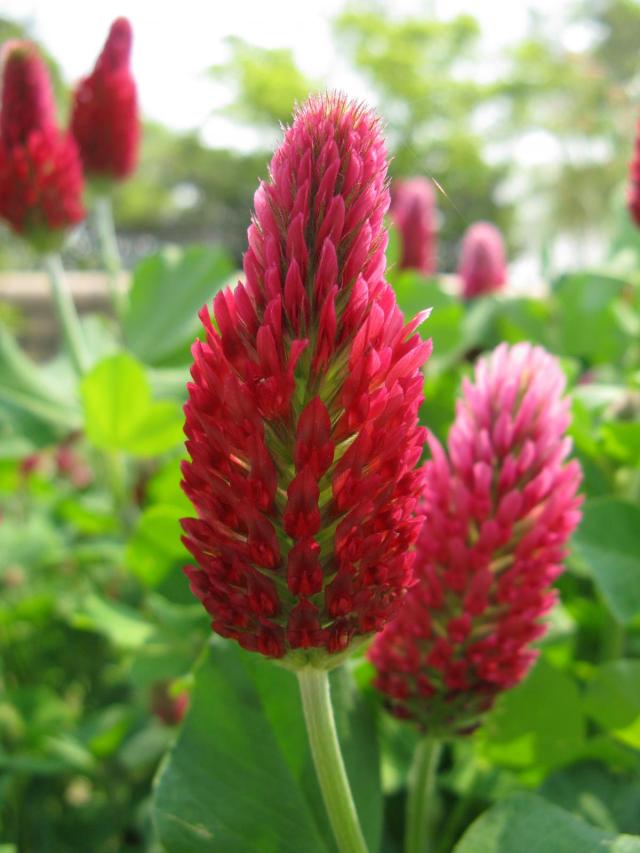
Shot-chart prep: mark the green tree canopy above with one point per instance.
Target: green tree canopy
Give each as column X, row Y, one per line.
column 419, row 71
column 266, row 83
column 586, row 99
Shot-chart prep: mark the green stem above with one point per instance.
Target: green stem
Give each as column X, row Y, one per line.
column 109, row 250
column 330, row 769
column 612, row 637
column 67, row 315
column 634, row 485
column 422, row 788
column 457, row 816
column 116, row 476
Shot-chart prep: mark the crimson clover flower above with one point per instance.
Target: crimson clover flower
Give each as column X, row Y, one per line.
column 104, row 119
column 500, row 507
column 40, row 173
column 482, row 266
column 413, row 209
column 302, row 414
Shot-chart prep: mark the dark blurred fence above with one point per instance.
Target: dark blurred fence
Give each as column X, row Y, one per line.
column 28, row 295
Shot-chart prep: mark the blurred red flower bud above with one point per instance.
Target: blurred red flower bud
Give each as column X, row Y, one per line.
column 30, row 464
column 413, row 210
column 633, row 189
column 104, row 119
column 70, row 464
column 40, row 173
column 166, row 707
column 482, row 266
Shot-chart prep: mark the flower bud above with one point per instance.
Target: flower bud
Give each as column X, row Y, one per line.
column 633, row 189
column 40, row 173
column 482, row 265
column 413, row 209
column 167, row 707
column 104, row 119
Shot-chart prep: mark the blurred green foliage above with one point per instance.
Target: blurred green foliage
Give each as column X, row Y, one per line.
column 419, row 71
column 586, row 97
column 265, row 84
column 98, row 632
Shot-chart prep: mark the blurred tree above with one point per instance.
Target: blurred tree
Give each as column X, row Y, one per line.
column 419, row 70
column 266, row 83
column 186, row 192
column 586, row 99
column 618, row 22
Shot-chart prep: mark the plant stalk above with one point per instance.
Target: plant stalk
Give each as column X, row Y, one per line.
column 110, row 254
column 327, row 758
column 420, row 801
column 612, row 636
column 72, row 333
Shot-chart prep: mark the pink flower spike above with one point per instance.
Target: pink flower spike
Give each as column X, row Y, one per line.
column 493, row 541
column 482, row 266
column 302, row 419
column 413, row 211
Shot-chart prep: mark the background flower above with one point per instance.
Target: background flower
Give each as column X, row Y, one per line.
column 499, row 508
column 413, row 210
column 40, row 174
column 104, row 120
column 482, row 266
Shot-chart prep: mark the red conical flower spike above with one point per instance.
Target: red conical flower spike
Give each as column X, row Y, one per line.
column 499, row 512
column 40, row 173
column 302, row 414
column 105, row 120
column 413, row 209
column 633, row 191
column 482, row 266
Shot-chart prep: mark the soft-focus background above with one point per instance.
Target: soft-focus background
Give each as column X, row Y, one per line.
column 522, row 112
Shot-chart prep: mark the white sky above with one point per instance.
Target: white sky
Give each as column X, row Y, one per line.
column 176, row 41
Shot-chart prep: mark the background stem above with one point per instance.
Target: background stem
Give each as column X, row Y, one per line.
column 612, row 636
column 458, row 815
column 327, row 757
column 67, row 315
column 109, row 250
column 422, row 788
